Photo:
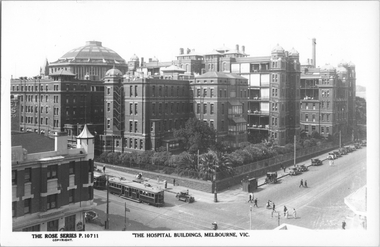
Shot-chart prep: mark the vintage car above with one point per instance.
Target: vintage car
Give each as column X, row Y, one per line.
column 342, row 151
column 293, row 171
column 316, row 162
column 271, row 177
column 185, row 196
column 337, row 154
column 357, row 145
column 364, row 143
column 302, row 168
column 331, row 156
column 352, row 147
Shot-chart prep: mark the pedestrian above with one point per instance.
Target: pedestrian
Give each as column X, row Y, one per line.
column 166, row 184
column 104, row 168
column 255, row 205
column 344, row 225
column 268, row 204
column 173, row 181
column 284, row 169
column 285, row 211
column 294, row 213
column 250, row 197
column 301, row 183
column 306, row 183
column 273, row 207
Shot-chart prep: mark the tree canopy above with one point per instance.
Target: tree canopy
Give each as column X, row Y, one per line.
column 196, row 135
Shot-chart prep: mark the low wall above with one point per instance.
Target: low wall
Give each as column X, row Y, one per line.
column 259, row 169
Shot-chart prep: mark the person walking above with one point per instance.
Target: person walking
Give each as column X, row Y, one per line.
column 255, row 201
column 250, row 197
column 344, row 225
column 305, row 183
column 273, row 208
column 301, row 183
column 268, row 203
column 285, row 211
column 294, row 213
column 173, row 181
column 104, row 168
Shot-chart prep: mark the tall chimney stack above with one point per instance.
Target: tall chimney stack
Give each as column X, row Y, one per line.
column 181, row 51
column 314, row 43
column 243, row 48
column 237, row 47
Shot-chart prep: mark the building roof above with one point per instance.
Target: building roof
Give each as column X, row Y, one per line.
column 134, row 58
column 114, row 72
column 278, row 49
column 92, row 50
column 213, row 74
column 62, row 72
column 173, row 68
column 32, row 142
column 213, row 52
column 85, row 134
column 327, row 68
column 293, row 52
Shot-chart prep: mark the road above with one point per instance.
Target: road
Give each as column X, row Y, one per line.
column 320, row 206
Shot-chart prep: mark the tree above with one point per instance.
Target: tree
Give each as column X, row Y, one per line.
column 187, row 164
column 215, row 163
column 196, row 135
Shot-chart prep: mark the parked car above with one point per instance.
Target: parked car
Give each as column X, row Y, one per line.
column 342, row 151
column 316, row 162
column 357, row 145
column 302, row 168
column 185, row 196
column 349, row 149
column 337, row 154
column 331, row 156
column 353, row 148
column 364, row 143
column 294, row 171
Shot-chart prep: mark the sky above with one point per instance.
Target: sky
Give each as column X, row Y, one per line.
column 345, row 30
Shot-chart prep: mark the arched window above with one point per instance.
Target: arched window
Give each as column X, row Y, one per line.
column 224, row 67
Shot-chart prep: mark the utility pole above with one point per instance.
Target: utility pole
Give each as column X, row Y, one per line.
column 340, row 138
column 250, row 217
column 108, row 195
column 295, row 145
column 215, row 193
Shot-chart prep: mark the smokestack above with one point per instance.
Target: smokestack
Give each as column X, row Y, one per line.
column 150, row 60
column 188, row 50
column 142, row 62
column 237, row 47
column 243, row 48
column 181, row 51
column 314, row 59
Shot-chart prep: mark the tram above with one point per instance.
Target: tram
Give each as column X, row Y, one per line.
column 136, row 191
column 100, row 181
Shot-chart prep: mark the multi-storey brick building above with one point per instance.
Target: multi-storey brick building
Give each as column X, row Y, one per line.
column 220, row 100
column 52, row 186
column 51, row 104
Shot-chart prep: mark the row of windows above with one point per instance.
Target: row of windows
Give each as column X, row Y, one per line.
column 31, row 88
column 323, row 118
column 29, row 120
column 168, row 124
column 174, row 108
column 180, row 91
column 30, row 109
column 324, row 130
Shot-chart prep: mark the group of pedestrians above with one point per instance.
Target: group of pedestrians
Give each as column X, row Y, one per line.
column 252, row 199
column 303, row 184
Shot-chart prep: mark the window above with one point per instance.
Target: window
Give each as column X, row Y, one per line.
column 136, row 109
column 153, row 90
column 222, row 108
column 130, row 108
column 153, row 109
column 136, row 91
column 108, row 106
column 130, row 142
column 136, row 126
column 135, row 143
column 313, row 106
column 220, row 92
column 212, row 109
column 313, row 117
column 328, row 104
column 212, row 124
column 322, row 130
column 306, row 117
column 159, row 91
column 117, row 143
column 130, row 91
column 51, row 202
column 72, row 167
column 141, row 144
column 108, row 123
column 14, row 177
column 198, row 92
column 328, row 116
column 46, row 119
column 327, row 130
column 27, row 204
column 204, row 92
column 222, row 127
column 27, row 174
column 160, row 108
column 313, row 127
column 108, row 90
column 46, row 99
column 35, row 228
column 71, row 196
column 51, row 172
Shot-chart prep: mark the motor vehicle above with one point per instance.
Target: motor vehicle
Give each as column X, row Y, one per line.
column 353, row 148
column 331, row 156
column 357, row 145
column 271, row 177
column 303, row 168
column 316, row 162
column 364, row 143
column 90, row 216
column 337, row 154
column 293, row 171
column 185, row 196
column 349, row 149
column 342, row 151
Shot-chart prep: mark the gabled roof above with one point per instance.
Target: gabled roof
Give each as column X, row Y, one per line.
column 32, row 142
column 213, row 52
column 85, row 134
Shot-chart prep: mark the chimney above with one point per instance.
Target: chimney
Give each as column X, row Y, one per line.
column 180, row 51
column 150, row 60
column 237, row 47
column 188, row 50
column 243, row 48
column 314, row 59
column 60, row 142
column 142, row 62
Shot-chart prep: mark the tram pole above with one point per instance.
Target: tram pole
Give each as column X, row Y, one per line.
column 108, row 195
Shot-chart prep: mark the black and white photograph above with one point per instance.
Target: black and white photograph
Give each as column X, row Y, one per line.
column 189, row 123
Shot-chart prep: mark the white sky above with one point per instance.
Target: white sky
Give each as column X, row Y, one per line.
column 345, row 30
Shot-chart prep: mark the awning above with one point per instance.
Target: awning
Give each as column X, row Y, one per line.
column 237, row 120
column 234, row 102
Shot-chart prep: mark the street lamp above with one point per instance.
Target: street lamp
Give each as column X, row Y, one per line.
column 215, row 193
